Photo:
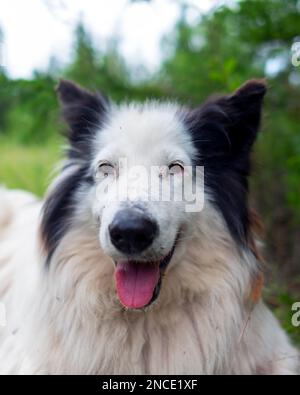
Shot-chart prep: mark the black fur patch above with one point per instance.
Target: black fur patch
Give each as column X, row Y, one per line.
column 84, row 112
column 224, row 130
column 59, row 208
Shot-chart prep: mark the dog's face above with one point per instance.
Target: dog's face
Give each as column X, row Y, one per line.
column 140, row 152
column 127, row 170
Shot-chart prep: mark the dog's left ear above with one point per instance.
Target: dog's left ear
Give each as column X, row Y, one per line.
column 244, row 109
column 84, row 113
column 223, row 131
column 226, row 127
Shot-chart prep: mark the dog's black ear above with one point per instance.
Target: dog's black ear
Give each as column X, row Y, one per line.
column 84, row 112
column 226, row 127
column 223, row 131
column 245, row 107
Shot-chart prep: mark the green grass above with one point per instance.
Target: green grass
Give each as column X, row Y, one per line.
column 28, row 167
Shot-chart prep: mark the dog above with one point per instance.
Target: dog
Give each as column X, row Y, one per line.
column 107, row 280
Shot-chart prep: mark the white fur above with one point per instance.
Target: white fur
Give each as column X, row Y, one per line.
column 67, row 319
column 149, row 137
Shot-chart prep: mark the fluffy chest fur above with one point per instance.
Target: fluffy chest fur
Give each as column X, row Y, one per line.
column 74, row 323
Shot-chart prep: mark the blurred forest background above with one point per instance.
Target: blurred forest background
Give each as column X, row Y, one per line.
column 227, row 46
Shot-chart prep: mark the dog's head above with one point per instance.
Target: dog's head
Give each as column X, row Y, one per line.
column 128, row 172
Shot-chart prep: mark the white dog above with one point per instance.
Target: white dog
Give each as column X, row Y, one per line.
column 104, row 279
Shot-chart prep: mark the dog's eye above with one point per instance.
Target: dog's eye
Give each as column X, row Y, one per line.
column 176, row 168
column 106, row 169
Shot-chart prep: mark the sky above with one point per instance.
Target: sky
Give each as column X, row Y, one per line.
column 35, row 30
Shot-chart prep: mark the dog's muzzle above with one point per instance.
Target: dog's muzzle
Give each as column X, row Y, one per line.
column 138, row 282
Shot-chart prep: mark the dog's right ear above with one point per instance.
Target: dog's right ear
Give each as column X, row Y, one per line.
column 84, row 113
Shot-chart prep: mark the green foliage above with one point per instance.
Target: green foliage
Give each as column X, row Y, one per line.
column 5, row 101
column 28, row 167
column 105, row 71
column 281, row 298
column 30, row 109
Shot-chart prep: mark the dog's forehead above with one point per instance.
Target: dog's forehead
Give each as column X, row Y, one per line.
column 138, row 129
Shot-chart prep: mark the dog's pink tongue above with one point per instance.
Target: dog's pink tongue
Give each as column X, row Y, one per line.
column 135, row 283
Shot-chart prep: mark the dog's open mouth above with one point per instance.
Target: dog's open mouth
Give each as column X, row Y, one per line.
column 138, row 283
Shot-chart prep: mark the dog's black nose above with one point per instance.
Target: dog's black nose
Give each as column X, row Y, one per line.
column 131, row 231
